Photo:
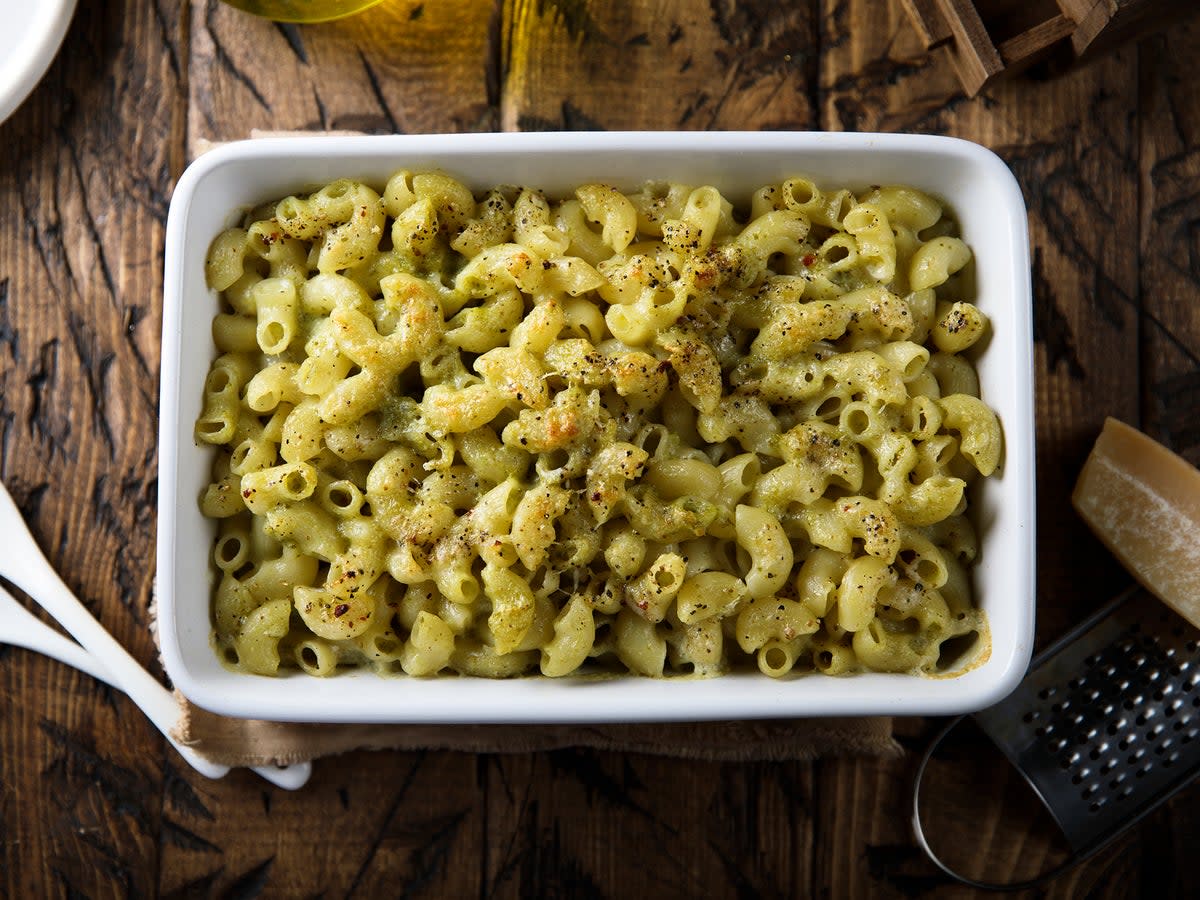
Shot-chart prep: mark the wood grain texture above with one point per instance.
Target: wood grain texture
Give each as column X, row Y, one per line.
column 1169, row 284
column 1110, row 23
column 974, row 53
column 1170, row 242
column 573, row 818
column 579, row 65
column 84, row 198
column 90, row 802
column 1033, row 45
column 372, row 825
column 400, row 67
column 926, row 17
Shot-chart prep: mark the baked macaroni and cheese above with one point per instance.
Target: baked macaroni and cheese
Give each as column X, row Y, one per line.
column 509, row 433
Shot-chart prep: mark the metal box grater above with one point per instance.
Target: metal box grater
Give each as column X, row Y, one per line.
column 1104, row 727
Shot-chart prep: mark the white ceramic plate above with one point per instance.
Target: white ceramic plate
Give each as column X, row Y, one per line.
column 30, row 35
column 983, row 195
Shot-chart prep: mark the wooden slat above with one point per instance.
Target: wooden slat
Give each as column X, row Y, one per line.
column 368, row 824
column 1111, row 23
column 975, row 57
column 648, row 65
column 1072, row 145
column 399, row 67
column 978, row 817
column 1077, row 10
column 82, row 213
column 927, row 19
column 1170, row 241
column 578, row 823
column 1032, row 45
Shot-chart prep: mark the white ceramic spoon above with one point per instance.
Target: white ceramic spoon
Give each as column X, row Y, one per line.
column 101, row 655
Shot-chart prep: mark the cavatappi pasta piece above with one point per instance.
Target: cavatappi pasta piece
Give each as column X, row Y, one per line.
column 662, row 431
column 512, row 607
column 258, row 636
column 936, row 261
column 429, row 646
column 639, row 645
column 652, row 593
column 574, row 635
column 978, row 428
column 876, row 244
column 761, row 536
column 861, row 583
column 710, row 595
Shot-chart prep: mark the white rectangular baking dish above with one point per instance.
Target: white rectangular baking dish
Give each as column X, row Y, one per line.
column 975, row 183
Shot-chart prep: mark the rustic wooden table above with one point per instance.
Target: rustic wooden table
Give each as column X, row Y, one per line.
column 92, row 803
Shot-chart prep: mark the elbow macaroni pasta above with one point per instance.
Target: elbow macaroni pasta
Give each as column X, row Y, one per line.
column 504, row 433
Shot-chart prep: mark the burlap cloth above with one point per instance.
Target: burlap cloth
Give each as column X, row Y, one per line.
column 239, row 742
column 243, row 742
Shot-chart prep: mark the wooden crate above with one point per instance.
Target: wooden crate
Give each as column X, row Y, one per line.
column 990, row 39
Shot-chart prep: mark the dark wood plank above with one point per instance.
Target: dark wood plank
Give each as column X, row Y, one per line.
column 1169, row 239
column 83, row 195
column 978, row 815
column 729, row 64
column 403, row 66
column 368, row 824
column 1072, row 143
column 580, row 823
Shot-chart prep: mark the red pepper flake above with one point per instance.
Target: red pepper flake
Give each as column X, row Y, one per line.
column 341, row 609
column 597, row 497
column 808, row 259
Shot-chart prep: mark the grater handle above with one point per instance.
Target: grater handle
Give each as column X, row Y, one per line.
column 923, row 843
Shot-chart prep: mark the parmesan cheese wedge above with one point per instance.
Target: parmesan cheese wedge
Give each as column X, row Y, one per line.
column 1143, row 502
